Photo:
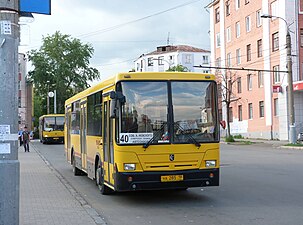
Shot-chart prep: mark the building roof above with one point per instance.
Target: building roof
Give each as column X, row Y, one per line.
column 175, row 48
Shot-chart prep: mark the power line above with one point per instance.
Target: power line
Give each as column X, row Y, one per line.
column 242, row 69
column 136, row 20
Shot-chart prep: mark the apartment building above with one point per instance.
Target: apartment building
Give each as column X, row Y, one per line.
column 172, row 55
column 241, row 38
column 25, row 104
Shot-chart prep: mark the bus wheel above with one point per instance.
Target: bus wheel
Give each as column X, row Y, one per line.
column 76, row 171
column 100, row 182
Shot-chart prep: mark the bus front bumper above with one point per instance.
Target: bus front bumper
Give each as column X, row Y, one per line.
column 131, row 181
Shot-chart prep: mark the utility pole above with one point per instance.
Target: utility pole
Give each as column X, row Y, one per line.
column 9, row 164
column 292, row 127
column 292, row 137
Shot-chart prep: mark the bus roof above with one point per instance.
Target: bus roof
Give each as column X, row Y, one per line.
column 51, row 115
column 140, row 76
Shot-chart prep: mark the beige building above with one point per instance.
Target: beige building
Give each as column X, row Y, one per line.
column 25, row 105
column 241, row 38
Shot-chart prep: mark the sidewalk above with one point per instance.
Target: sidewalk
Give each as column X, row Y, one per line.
column 264, row 142
column 45, row 199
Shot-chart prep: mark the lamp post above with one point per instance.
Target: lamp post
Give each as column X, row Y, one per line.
column 290, row 96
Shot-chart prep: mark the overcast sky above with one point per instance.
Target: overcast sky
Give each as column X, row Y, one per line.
column 119, row 31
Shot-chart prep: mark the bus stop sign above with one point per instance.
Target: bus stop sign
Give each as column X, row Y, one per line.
column 34, row 6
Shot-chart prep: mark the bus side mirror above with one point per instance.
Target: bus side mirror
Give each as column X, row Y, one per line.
column 113, row 108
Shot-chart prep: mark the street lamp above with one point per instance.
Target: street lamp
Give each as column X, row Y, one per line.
column 290, row 96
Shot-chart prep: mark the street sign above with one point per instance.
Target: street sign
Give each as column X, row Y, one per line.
column 35, row 6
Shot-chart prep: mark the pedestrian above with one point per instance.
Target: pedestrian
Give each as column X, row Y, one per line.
column 20, row 137
column 26, row 139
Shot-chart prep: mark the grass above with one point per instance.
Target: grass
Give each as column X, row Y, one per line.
column 294, row 145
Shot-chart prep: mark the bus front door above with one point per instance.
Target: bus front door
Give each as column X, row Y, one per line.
column 83, row 131
column 108, row 148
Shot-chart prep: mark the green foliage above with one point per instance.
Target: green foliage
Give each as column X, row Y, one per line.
column 63, row 61
column 229, row 139
column 295, row 145
column 178, row 68
column 238, row 136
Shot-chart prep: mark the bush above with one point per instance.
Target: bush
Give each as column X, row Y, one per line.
column 238, row 136
column 230, row 139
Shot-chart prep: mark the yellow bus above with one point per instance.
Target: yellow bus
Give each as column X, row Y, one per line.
column 51, row 128
column 145, row 131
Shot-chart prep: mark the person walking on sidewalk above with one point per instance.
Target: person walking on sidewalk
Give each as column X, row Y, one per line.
column 26, row 139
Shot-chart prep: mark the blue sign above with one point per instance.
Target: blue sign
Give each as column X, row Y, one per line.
column 35, row 6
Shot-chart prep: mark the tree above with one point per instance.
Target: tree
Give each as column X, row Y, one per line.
column 61, row 64
column 178, row 68
column 225, row 87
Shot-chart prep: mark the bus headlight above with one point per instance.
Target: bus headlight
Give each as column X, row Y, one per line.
column 210, row 163
column 129, row 166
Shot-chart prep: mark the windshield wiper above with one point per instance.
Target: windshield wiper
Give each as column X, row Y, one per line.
column 145, row 145
column 188, row 134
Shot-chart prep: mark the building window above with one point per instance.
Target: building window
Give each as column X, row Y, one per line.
column 237, row 29
column 227, row 4
column 301, row 37
column 230, row 114
column 246, row 2
column 249, row 82
column 276, row 74
column 205, row 59
column 259, row 48
column 258, row 18
column 276, row 107
column 228, row 34
column 19, row 102
column 240, row 112
column 237, row 4
column 228, row 60
column 218, row 40
column 275, row 41
column 217, row 11
column 187, row 59
column 260, row 79
column 274, row 9
column 239, row 85
column 150, row 62
column 238, row 56
column 248, row 52
column 261, row 108
column 248, row 24
column 160, row 60
column 250, row 111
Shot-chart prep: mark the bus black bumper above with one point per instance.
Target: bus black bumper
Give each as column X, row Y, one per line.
column 53, row 139
column 152, row 180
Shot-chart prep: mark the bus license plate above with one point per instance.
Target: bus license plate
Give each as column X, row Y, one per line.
column 56, row 138
column 171, row 178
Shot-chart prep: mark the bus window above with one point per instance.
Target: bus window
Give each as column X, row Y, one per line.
column 144, row 114
column 194, row 111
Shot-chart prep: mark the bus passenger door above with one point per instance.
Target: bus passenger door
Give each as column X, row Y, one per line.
column 108, row 148
column 83, row 131
column 68, row 131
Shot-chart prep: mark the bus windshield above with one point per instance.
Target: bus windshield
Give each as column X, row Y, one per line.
column 53, row 123
column 150, row 114
column 144, row 114
column 195, row 115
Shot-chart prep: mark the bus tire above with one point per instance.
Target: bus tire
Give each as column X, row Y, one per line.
column 100, row 182
column 76, row 171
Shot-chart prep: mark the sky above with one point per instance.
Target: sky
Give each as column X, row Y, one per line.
column 121, row 30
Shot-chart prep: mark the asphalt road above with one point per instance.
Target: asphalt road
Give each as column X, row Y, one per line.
column 259, row 185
